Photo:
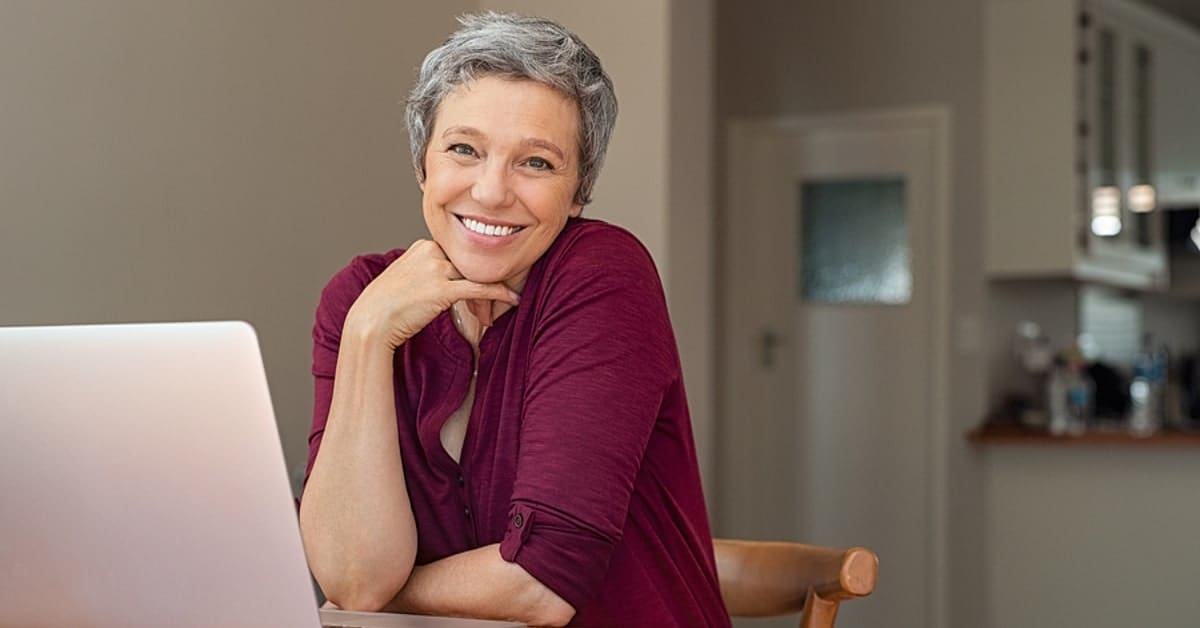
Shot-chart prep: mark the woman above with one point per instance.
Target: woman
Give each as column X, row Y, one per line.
column 500, row 428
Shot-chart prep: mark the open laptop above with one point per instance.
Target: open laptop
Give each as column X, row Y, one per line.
column 142, row 484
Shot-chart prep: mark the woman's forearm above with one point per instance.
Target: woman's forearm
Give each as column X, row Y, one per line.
column 479, row 583
column 355, row 516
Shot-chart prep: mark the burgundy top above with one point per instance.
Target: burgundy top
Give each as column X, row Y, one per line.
column 578, row 458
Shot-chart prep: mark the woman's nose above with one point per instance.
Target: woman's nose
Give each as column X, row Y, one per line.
column 491, row 188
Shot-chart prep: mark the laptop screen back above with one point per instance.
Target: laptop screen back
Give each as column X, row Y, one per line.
column 142, row 481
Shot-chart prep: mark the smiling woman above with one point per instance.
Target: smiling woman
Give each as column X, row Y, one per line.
column 500, row 428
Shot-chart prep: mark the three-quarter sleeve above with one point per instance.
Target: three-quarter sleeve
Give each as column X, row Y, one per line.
column 336, row 299
column 603, row 356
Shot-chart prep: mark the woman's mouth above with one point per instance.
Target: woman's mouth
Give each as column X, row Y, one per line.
column 485, row 229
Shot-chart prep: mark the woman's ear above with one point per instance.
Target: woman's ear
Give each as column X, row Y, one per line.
column 576, row 211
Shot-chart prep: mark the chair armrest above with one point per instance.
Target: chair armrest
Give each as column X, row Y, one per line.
column 761, row 578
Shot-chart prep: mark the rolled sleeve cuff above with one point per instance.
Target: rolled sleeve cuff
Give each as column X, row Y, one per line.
column 565, row 556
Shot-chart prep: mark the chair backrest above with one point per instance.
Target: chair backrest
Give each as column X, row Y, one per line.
column 766, row 578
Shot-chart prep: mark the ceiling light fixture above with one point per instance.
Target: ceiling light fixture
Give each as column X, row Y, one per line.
column 1106, row 211
column 1142, row 199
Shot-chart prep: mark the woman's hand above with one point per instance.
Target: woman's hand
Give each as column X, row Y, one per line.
column 412, row 291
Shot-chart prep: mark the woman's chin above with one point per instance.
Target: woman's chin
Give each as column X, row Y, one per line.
column 482, row 273
column 486, row 269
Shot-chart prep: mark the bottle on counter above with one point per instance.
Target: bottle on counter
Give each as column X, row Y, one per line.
column 1080, row 396
column 1146, row 389
column 1070, row 394
column 1056, row 398
column 1167, row 416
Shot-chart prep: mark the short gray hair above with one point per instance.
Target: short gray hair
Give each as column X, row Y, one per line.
column 520, row 47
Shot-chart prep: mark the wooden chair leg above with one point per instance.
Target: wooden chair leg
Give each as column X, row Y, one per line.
column 818, row 612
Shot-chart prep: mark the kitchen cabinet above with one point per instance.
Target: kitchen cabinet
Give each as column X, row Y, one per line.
column 1086, row 136
column 1177, row 131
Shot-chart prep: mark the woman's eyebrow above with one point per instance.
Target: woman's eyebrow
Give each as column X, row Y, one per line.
column 534, row 142
column 463, row 130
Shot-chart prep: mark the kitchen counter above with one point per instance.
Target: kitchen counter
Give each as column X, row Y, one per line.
column 1014, row 434
column 1096, row 530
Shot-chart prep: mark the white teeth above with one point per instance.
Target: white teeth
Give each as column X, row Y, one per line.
column 490, row 230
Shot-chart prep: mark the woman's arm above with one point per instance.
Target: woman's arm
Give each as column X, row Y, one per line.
column 357, row 523
column 355, row 517
column 479, row 583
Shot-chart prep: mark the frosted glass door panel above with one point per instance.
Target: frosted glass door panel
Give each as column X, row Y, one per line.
column 853, row 242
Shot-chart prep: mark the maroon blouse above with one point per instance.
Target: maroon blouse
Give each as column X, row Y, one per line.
column 579, row 458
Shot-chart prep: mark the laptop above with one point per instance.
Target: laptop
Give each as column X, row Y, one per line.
column 142, row 484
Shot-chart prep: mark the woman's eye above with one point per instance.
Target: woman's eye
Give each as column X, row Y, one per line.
column 537, row 163
column 462, row 149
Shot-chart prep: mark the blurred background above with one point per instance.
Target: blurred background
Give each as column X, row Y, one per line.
column 879, row 223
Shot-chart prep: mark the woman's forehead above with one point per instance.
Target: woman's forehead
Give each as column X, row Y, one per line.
column 494, row 106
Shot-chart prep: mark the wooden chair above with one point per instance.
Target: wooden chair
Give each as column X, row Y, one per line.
column 763, row 579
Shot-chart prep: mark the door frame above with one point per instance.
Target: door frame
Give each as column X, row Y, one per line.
column 934, row 120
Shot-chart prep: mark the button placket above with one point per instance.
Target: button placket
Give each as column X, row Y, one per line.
column 464, row 496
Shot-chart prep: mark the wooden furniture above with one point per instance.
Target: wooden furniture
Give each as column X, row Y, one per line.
column 1009, row 434
column 762, row 579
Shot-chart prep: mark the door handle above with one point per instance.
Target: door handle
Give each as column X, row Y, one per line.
column 768, row 342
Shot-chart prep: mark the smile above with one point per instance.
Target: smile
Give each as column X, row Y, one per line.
column 483, row 228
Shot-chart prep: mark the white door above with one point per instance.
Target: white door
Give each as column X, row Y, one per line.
column 833, row 409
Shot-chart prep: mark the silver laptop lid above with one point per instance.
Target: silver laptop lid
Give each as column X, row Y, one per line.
column 142, row 481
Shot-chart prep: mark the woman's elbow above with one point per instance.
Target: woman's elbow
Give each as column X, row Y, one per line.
column 363, row 592
column 365, row 599
column 356, row 580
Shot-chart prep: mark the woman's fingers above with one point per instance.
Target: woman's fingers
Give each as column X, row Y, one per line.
column 482, row 300
column 467, row 290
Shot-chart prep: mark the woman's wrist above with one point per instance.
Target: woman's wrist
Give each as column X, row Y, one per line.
column 365, row 331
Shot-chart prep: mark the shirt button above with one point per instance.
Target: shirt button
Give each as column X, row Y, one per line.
column 462, row 481
column 467, row 512
column 518, row 520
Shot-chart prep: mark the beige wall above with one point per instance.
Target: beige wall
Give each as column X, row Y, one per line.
column 196, row 160
column 776, row 57
column 691, row 213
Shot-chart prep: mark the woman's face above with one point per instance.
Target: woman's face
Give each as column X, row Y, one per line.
column 501, row 171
